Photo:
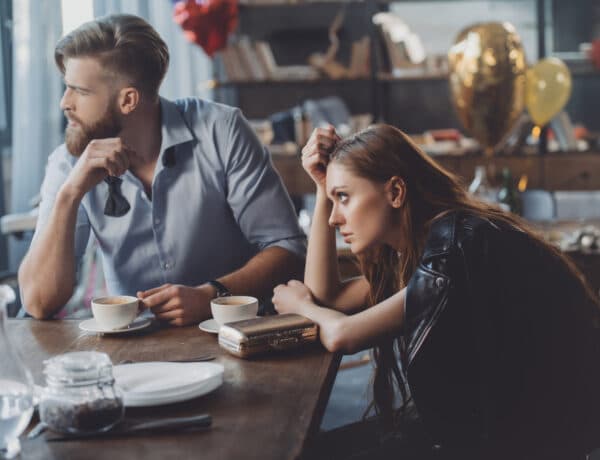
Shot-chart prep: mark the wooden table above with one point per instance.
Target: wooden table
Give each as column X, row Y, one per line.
column 267, row 408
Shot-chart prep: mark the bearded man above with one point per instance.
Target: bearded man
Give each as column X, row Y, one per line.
column 180, row 195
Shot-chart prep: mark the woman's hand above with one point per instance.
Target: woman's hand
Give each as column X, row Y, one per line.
column 291, row 297
column 315, row 154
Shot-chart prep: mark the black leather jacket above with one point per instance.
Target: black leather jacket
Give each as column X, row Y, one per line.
column 501, row 352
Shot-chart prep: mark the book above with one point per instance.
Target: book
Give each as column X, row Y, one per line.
column 264, row 54
column 250, row 59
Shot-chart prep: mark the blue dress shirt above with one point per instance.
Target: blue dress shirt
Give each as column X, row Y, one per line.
column 216, row 202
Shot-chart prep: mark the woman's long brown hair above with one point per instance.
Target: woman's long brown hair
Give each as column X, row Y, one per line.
column 378, row 153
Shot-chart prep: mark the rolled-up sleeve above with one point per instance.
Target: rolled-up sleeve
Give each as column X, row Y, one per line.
column 57, row 170
column 256, row 195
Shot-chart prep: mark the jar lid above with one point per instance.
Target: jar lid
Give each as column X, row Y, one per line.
column 78, row 368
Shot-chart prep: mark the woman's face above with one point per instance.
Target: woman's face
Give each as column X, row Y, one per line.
column 361, row 209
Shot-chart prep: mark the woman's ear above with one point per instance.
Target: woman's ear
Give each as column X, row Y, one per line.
column 396, row 191
column 129, row 98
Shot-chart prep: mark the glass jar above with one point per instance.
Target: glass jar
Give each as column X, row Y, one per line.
column 80, row 395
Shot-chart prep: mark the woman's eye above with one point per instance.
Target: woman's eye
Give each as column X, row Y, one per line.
column 342, row 197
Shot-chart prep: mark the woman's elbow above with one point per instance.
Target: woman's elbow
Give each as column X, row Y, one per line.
column 336, row 339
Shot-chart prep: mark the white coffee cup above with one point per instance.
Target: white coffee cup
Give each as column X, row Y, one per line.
column 114, row 312
column 233, row 308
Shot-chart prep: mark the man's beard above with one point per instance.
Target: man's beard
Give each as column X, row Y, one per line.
column 78, row 137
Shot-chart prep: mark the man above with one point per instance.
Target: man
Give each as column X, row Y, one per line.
column 180, row 196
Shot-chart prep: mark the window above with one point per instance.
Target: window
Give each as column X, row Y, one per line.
column 5, row 73
column 5, row 111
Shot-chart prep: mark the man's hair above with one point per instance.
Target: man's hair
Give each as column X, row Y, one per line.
column 126, row 45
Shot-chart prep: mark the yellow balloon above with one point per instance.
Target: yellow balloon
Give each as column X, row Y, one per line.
column 548, row 89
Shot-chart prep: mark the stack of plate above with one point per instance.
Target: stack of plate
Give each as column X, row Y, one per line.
column 157, row 383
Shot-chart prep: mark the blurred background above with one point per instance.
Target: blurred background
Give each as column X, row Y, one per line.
column 504, row 93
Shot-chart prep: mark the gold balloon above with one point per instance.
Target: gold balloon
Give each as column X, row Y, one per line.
column 548, row 89
column 487, row 80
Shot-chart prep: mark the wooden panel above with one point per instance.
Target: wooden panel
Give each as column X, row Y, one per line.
column 572, row 171
column 518, row 165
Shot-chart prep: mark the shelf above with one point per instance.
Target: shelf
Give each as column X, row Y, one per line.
column 382, row 77
column 387, row 77
column 553, row 171
column 300, row 81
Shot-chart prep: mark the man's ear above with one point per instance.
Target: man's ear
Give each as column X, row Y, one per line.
column 396, row 191
column 129, row 98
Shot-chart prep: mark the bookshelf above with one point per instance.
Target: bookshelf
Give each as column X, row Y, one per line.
column 416, row 101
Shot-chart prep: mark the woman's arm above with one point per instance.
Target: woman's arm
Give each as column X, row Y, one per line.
column 338, row 331
column 322, row 274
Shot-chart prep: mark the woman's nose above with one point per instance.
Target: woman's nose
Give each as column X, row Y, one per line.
column 335, row 219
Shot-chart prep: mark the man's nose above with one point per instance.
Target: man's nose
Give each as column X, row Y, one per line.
column 66, row 102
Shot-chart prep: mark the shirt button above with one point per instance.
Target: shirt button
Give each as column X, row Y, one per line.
column 439, row 282
column 166, row 265
column 157, row 221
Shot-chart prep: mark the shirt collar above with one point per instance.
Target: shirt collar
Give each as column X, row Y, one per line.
column 174, row 129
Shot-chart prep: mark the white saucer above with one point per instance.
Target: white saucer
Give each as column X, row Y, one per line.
column 90, row 325
column 210, row 326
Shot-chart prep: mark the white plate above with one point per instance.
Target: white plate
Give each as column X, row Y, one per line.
column 155, row 383
column 89, row 325
column 156, row 377
column 174, row 397
column 210, row 325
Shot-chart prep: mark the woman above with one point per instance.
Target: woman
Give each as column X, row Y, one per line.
column 494, row 328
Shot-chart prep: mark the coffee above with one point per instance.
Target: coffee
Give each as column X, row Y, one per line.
column 114, row 312
column 113, row 301
column 233, row 308
column 232, row 302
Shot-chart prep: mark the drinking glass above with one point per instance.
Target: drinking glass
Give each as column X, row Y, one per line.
column 16, row 387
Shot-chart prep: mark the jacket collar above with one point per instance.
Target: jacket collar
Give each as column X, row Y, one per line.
column 441, row 236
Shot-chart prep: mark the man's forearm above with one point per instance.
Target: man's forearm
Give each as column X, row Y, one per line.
column 263, row 272
column 47, row 274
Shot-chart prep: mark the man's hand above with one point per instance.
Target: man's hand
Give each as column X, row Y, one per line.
column 101, row 157
column 178, row 305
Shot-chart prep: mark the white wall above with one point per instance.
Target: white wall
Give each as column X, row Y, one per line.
column 438, row 23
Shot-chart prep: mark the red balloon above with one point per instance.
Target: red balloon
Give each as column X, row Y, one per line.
column 207, row 23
